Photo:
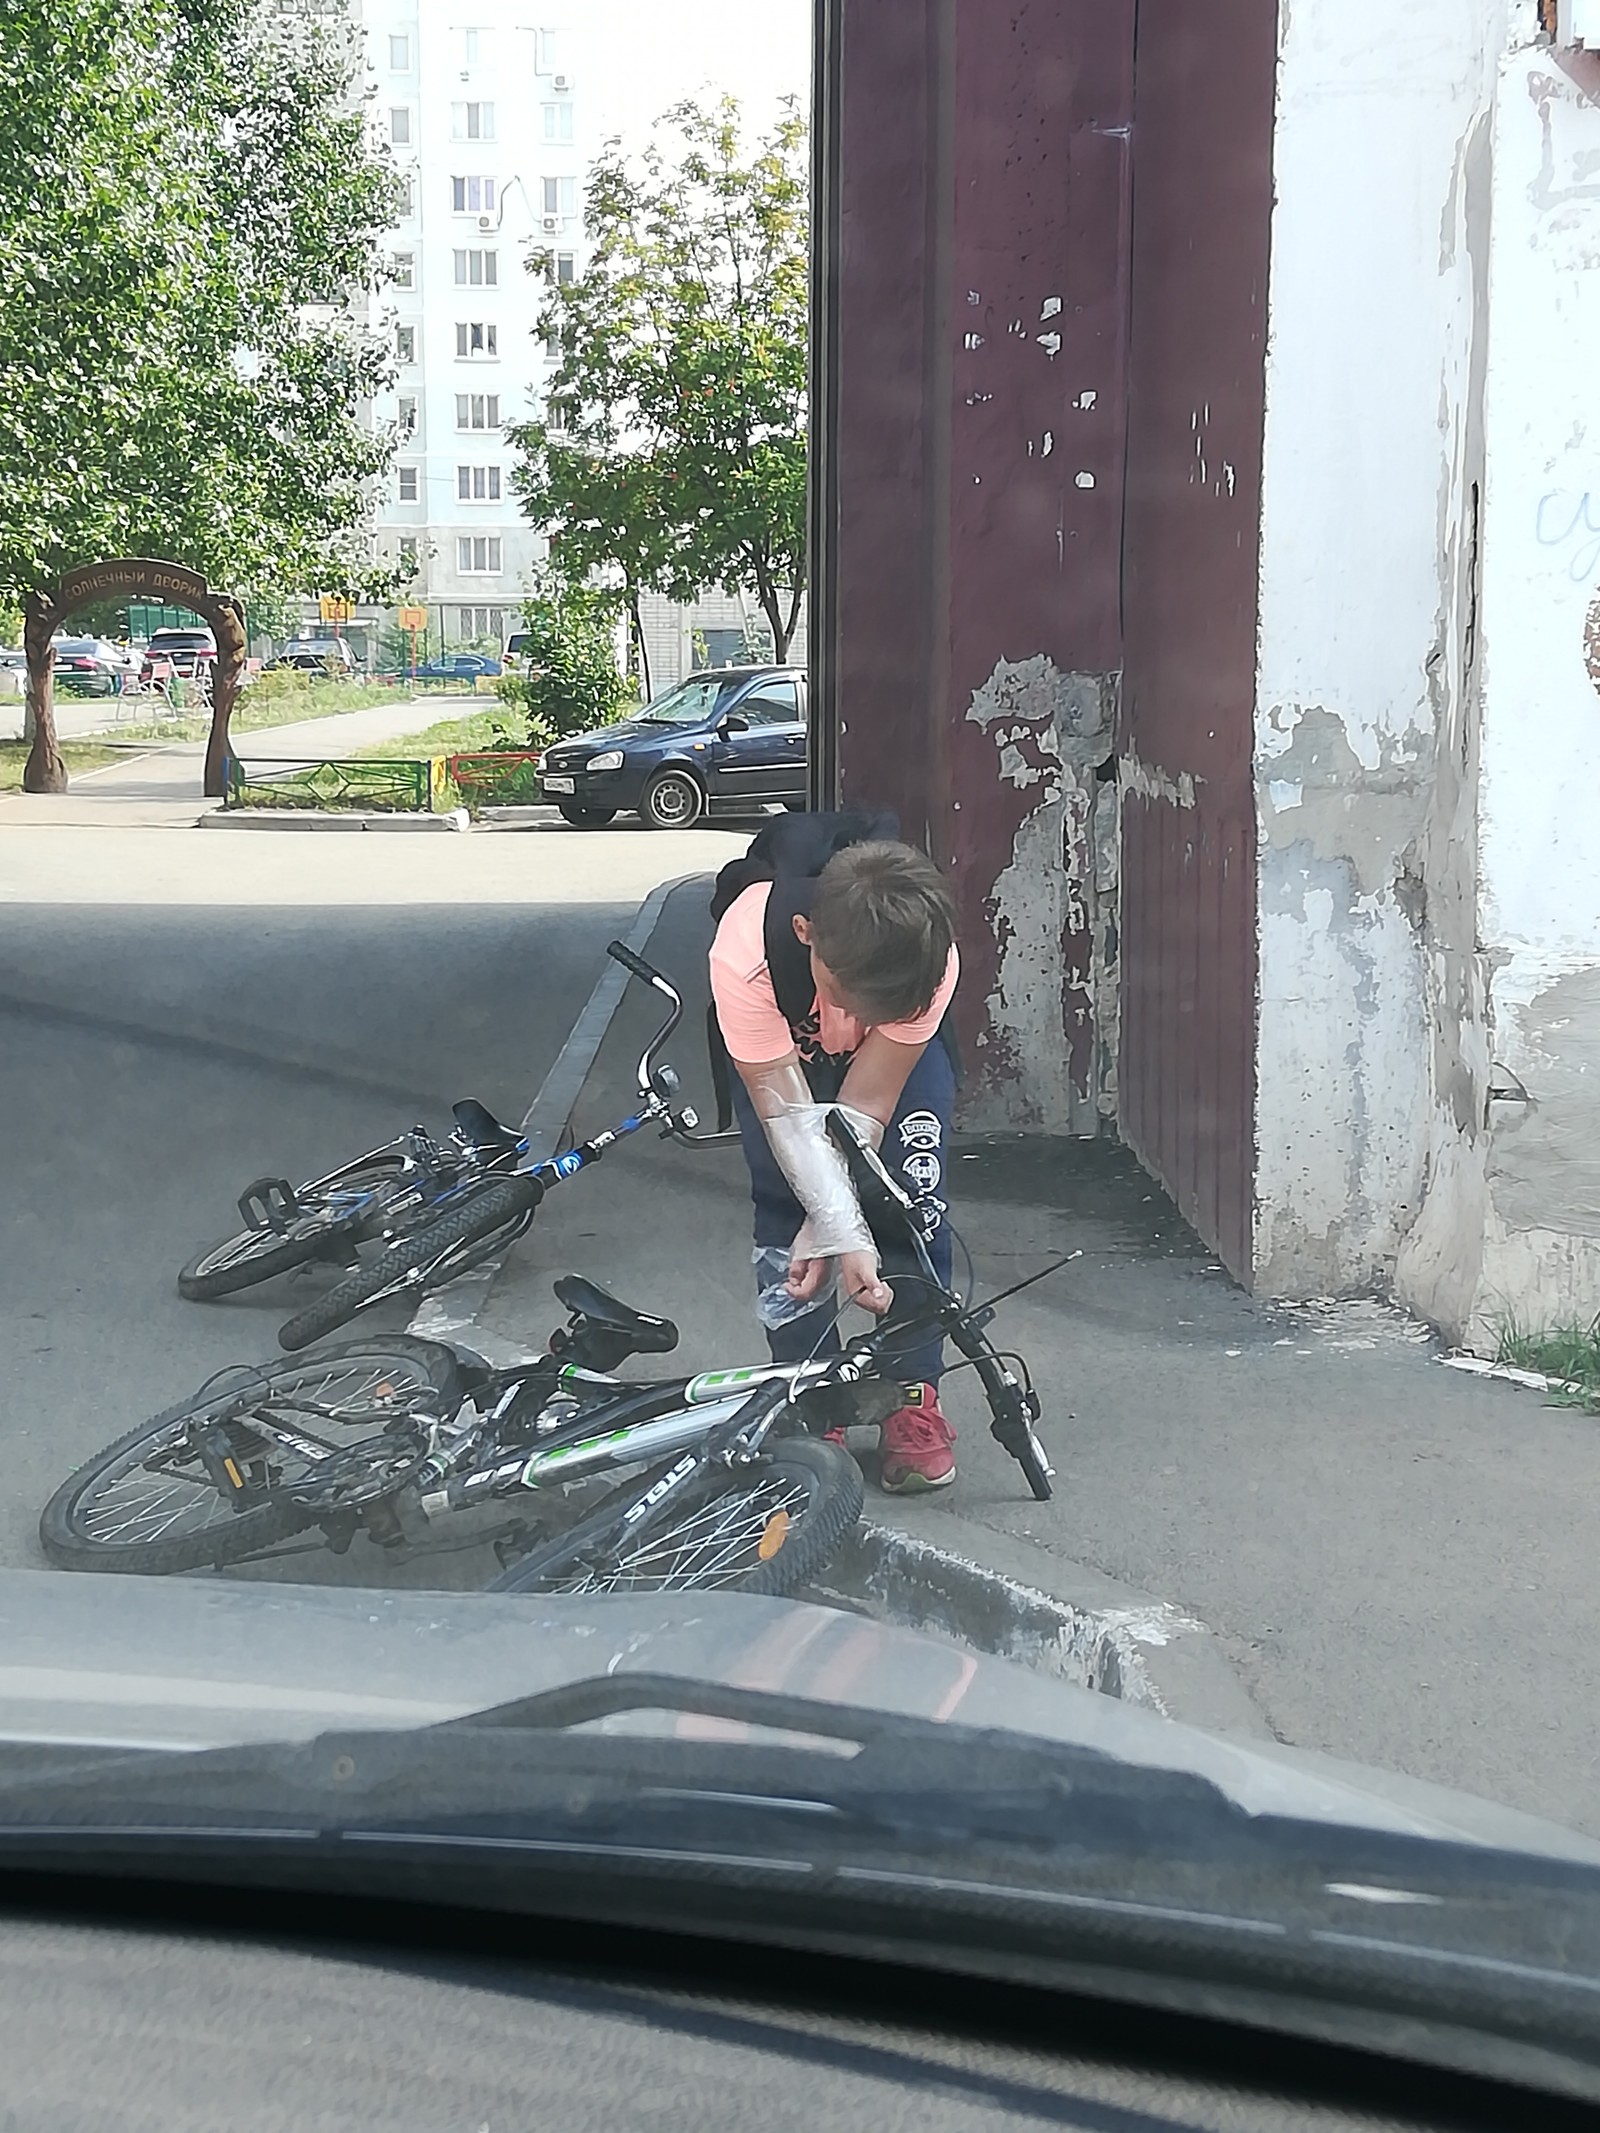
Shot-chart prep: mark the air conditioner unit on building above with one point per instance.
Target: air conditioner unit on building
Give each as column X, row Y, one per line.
column 561, row 83
column 1578, row 24
column 552, row 223
column 486, row 222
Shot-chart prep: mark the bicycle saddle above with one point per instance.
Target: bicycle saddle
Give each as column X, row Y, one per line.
column 647, row 1335
column 483, row 1129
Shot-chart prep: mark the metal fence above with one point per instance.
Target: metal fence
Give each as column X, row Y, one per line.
column 381, row 786
column 495, row 777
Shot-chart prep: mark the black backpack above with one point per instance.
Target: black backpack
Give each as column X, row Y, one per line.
column 790, row 852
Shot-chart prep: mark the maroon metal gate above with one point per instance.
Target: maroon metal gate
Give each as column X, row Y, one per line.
column 1203, row 112
column 985, row 383
column 972, row 308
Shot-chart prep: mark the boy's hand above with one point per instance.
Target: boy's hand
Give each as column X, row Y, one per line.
column 858, row 1272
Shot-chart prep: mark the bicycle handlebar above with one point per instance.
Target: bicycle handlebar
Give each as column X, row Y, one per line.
column 620, row 952
column 637, row 967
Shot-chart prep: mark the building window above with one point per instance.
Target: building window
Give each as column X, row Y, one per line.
column 560, row 196
column 405, row 344
column 408, row 484
column 472, row 196
column 469, row 47
column 472, row 122
column 558, row 123
column 476, row 338
column 555, row 419
column 400, row 54
column 478, row 555
column 477, row 269
column 479, row 622
column 477, row 411
column 565, row 267
column 406, row 414
column 408, row 193
column 400, row 126
column 478, row 485
column 408, row 552
column 405, row 270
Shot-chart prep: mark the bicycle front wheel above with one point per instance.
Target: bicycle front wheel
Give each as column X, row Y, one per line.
column 766, row 1528
column 147, row 1504
column 483, row 1222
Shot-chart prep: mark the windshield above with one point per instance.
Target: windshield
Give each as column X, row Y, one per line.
column 692, row 703
column 1040, row 1180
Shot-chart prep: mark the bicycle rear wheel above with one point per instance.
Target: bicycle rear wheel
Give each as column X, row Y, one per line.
column 254, row 1255
column 482, row 1223
column 766, row 1528
column 146, row 1503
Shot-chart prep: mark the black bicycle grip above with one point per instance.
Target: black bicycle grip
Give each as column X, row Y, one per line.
column 620, row 952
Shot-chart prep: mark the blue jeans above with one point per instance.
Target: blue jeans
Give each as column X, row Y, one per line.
column 913, row 1152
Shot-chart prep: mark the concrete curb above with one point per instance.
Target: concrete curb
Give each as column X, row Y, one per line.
column 289, row 818
column 453, row 1314
column 1014, row 1601
column 988, row 1592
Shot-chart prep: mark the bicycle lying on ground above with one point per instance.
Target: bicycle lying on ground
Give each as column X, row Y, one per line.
column 436, row 1208
column 419, row 1445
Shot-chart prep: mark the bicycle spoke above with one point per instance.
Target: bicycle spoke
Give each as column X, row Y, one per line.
column 714, row 1545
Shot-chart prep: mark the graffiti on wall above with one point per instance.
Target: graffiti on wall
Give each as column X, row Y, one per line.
column 1567, row 523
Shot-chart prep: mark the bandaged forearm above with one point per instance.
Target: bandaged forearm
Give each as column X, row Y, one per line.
column 796, row 1126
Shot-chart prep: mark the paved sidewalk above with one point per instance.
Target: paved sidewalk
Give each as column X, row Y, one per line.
column 159, row 786
column 1397, row 1558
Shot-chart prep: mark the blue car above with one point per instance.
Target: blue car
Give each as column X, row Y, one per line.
column 457, row 666
column 729, row 742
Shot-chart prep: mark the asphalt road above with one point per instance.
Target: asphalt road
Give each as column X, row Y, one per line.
column 182, row 1012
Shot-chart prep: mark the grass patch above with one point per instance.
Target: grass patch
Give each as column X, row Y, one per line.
column 1570, row 1353
column 267, row 703
column 78, row 756
column 451, row 736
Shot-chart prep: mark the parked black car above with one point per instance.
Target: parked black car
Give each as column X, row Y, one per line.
column 728, row 742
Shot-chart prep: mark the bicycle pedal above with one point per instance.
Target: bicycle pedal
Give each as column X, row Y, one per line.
column 268, row 1203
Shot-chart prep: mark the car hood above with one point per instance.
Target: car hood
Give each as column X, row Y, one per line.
column 143, row 1663
column 627, row 729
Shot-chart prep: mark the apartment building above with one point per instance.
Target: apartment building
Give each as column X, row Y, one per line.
column 483, row 110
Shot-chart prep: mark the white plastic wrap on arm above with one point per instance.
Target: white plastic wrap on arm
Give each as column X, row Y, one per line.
column 796, row 1127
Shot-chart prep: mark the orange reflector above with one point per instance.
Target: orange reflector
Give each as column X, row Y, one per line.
column 233, row 1473
column 773, row 1535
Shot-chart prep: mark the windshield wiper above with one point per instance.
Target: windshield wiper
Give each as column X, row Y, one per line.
column 579, row 1703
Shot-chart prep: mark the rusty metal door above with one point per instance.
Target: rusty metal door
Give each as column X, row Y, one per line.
column 970, row 313
column 1203, row 113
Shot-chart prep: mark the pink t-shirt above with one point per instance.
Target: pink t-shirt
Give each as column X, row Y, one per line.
column 752, row 1023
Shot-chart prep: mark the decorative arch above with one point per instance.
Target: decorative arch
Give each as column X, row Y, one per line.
column 132, row 577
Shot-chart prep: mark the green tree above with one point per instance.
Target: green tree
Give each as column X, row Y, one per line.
column 571, row 681
column 190, row 215
column 671, row 454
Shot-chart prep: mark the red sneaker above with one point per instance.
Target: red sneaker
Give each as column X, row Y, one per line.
column 916, row 1445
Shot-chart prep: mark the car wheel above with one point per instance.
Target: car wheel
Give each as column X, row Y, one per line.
column 672, row 801
column 585, row 818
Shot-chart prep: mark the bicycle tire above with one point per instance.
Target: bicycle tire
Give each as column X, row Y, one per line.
column 498, row 1204
column 201, row 1282
column 63, row 1533
column 827, row 1475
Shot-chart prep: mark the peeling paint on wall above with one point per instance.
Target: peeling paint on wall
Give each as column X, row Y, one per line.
column 1051, row 731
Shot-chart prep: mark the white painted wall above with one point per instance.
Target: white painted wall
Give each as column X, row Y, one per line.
column 1540, row 824
column 1375, row 297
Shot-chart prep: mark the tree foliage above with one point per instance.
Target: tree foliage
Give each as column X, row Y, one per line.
column 188, row 205
column 570, row 681
column 671, row 455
